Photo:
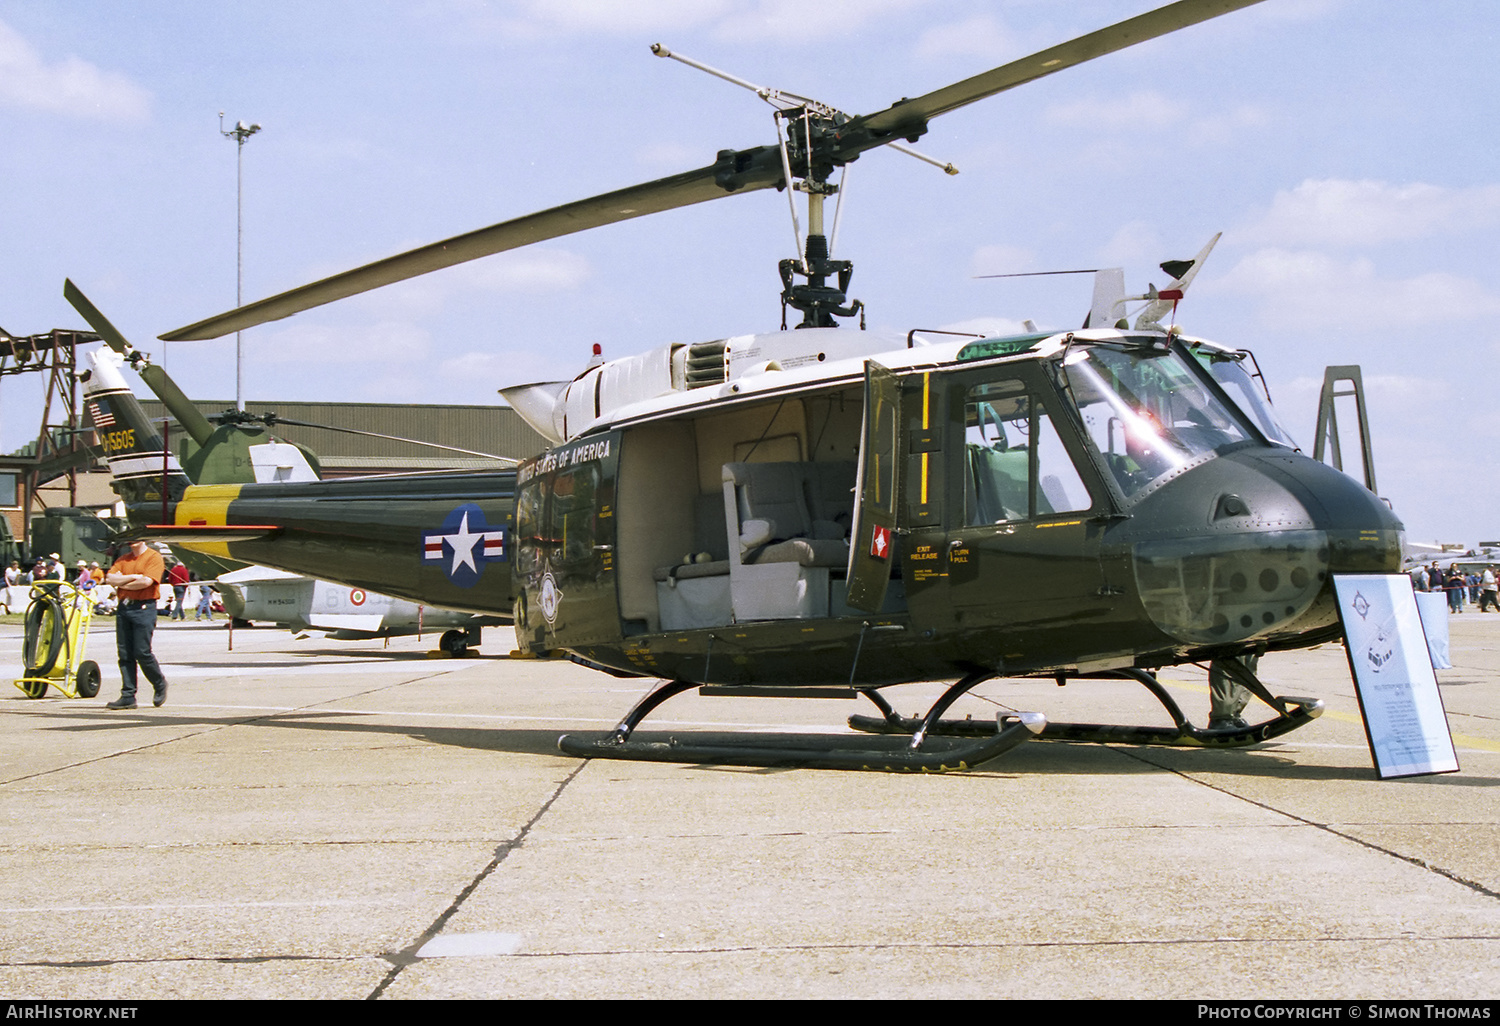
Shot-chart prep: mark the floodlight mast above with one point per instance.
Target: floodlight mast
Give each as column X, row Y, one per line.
column 239, row 133
column 807, row 170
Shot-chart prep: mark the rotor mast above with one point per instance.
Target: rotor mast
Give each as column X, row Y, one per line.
column 818, row 301
column 808, row 145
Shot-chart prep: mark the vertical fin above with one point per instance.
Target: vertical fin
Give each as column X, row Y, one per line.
column 138, row 461
column 145, row 475
column 1109, row 293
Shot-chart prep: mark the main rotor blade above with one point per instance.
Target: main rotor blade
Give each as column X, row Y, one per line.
column 909, row 117
column 735, row 171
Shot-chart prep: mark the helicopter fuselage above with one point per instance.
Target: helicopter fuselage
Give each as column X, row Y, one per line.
column 1072, row 502
column 1069, row 503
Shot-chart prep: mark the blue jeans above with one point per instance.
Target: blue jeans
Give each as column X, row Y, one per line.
column 134, row 625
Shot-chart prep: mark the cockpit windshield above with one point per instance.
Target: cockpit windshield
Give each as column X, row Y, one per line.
column 1146, row 411
column 1228, row 369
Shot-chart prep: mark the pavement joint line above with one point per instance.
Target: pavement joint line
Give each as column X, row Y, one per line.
column 574, row 839
column 1404, row 937
column 104, row 963
column 171, row 907
column 983, row 945
column 1446, row 874
column 206, row 729
column 291, row 842
column 408, row 956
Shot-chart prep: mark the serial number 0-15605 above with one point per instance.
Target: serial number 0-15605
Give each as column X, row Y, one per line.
column 118, row 441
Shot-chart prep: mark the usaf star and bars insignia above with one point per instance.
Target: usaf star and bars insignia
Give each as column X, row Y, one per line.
column 463, row 545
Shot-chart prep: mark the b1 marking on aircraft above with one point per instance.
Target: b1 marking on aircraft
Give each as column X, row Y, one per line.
column 463, row 544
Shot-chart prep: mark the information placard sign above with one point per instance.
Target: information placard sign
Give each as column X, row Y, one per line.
column 1398, row 694
column 1433, row 607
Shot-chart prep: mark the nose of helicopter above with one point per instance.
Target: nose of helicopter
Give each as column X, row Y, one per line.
column 1244, row 547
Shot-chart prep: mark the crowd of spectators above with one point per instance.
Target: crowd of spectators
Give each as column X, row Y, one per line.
column 1475, row 587
column 15, row 593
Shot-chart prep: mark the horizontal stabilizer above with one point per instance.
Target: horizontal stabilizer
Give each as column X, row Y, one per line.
column 366, row 622
column 189, row 533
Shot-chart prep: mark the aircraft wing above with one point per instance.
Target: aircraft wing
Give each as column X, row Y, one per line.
column 735, row 171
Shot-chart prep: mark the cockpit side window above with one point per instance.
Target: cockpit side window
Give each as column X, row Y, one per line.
column 1017, row 467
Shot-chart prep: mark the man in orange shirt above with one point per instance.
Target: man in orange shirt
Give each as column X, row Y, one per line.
column 137, row 576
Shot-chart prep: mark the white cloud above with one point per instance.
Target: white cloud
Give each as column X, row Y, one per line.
column 783, row 21
column 980, row 36
column 1339, row 212
column 70, row 86
column 542, row 270
column 1385, row 393
column 1227, row 126
column 485, row 373
column 1149, row 111
column 787, row 21
column 609, row 17
column 525, row 271
column 1134, row 243
column 1143, row 109
column 672, row 157
column 1321, row 291
column 532, row 20
column 382, row 342
column 1297, row 10
column 1001, row 259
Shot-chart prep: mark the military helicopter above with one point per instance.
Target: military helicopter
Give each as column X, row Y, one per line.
column 828, row 508
column 240, row 450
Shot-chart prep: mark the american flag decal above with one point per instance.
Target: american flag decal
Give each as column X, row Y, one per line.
column 99, row 410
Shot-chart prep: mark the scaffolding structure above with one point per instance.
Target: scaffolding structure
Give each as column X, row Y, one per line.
column 62, row 447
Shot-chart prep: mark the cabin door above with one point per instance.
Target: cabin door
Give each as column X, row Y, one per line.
column 899, row 488
column 872, row 537
column 565, row 546
column 1009, row 560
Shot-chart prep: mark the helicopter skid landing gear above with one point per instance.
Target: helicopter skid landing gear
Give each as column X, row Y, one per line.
column 1294, row 713
column 919, row 754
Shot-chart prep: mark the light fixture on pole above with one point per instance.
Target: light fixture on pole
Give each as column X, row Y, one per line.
column 239, row 133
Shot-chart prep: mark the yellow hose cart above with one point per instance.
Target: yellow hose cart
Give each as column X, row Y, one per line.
column 56, row 634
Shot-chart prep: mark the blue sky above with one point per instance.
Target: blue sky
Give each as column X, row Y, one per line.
column 1346, row 148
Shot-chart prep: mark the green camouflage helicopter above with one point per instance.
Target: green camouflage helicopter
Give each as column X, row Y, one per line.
column 822, row 508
